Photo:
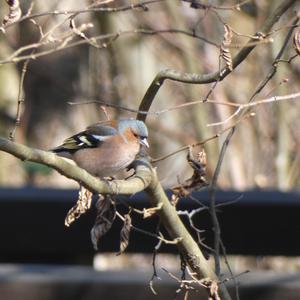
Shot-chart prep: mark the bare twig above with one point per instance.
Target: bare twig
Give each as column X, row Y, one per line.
column 241, row 107
column 211, row 77
column 20, row 101
column 236, row 284
column 154, row 255
column 92, row 41
column 213, row 187
column 184, row 148
column 200, row 5
column 175, row 229
column 159, row 237
column 198, row 231
column 92, row 8
column 275, row 63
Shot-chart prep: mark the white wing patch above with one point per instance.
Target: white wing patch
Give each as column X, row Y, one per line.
column 100, row 137
column 84, row 140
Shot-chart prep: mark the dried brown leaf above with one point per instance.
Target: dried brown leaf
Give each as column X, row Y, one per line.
column 106, row 214
column 149, row 212
column 174, row 199
column 125, row 234
column 212, row 287
column 14, row 13
column 225, row 53
column 82, row 205
column 296, row 41
column 198, row 179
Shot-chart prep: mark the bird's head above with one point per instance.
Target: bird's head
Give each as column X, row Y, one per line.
column 138, row 128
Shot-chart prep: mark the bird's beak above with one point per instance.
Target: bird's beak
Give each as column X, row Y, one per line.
column 144, row 142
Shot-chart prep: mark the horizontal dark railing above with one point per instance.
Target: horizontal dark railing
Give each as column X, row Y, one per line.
column 32, row 225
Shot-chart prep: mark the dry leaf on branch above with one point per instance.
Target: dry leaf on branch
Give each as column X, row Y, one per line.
column 225, row 53
column 14, row 12
column 212, row 288
column 198, row 179
column 106, row 214
column 149, row 212
column 125, row 234
column 296, row 41
column 82, row 205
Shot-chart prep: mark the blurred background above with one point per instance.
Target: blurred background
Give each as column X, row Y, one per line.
column 264, row 152
column 133, row 45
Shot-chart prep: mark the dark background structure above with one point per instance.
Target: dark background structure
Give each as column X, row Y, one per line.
column 136, row 44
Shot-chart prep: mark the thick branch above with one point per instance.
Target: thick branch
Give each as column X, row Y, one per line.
column 133, row 185
column 186, row 244
column 215, row 76
column 145, row 178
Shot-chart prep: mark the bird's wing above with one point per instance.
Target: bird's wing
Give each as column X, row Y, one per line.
column 89, row 138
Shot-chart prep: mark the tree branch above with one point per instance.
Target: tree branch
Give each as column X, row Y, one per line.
column 215, row 76
column 186, row 245
column 131, row 186
column 144, row 179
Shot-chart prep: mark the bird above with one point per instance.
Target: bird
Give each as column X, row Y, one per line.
column 107, row 147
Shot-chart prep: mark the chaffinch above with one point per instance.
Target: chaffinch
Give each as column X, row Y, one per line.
column 107, row 147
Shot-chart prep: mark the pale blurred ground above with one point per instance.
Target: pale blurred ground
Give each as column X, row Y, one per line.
column 264, row 152
column 238, row 263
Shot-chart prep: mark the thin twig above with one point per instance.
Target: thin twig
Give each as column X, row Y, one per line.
column 155, row 252
column 241, row 107
column 198, row 231
column 21, row 95
column 213, row 187
column 111, row 37
column 159, row 237
column 214, row 76
column 217, row 7
column 184, row 148
column 89, row 9
column 275, row 63
column 236, row 284
column 20, row 101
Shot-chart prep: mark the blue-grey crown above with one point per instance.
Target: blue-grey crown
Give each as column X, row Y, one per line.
column 137, row 126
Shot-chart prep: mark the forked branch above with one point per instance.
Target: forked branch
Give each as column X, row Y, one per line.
column 217, row 76
column 144, row 179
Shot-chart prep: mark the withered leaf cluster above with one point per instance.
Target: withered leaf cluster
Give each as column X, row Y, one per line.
column 14, row 13
column 106, row 214
column 225, row 53
column 296, row 41
column 198, row 179
column 212, row 288
column 82, row 205
column 125, row 234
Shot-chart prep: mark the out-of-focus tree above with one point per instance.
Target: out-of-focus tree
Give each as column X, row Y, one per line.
column 134, row 42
